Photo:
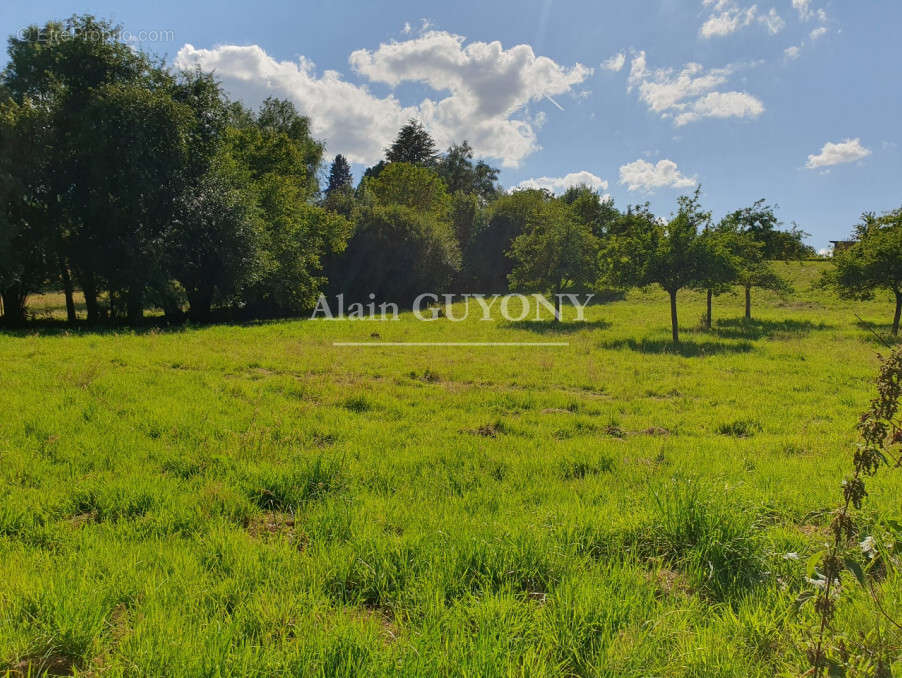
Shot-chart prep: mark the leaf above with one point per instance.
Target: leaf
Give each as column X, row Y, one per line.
column 853, row 567
column 801, row 599
column 813, row 562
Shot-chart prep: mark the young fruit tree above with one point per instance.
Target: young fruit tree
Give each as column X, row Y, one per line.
column 753, row 236
column 873, row 263
column 674, row 255
column 557, row 252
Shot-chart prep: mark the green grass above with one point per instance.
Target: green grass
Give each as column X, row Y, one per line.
column 253, row 501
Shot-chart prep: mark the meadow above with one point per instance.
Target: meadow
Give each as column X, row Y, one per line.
column 251, row 500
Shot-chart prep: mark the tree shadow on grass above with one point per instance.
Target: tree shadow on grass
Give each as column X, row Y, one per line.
column 686, row 349
column 554, row 327
column 149, row 325
column 740, row 328
column 878, row 334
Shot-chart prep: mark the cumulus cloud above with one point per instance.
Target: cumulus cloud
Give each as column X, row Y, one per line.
column 488, row 89
column 561, row 184
column 615, row 63
column 793, row 52
column 645, row 176
column 818, row 32
column 838, row 153
column 721, row 105
column 727, row 17
column 690, row 94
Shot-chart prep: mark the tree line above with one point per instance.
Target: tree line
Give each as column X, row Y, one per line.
column 144, row 188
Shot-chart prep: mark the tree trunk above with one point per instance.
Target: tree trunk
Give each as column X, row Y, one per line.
column 14, row 305
column 748, row 303
column 199, row 302
column 673, row 318
column 67, row 290
column 898, row 314
column 708, row 315
column 89, row 289
column 135, row 304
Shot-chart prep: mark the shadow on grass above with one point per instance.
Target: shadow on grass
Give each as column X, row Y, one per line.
column 554, row 327
column 151, row 325
column 878, row 334
column 687, row 349
column 740, row 328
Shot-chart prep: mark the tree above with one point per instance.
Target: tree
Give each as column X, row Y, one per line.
column 556, row 252
column 403, row 242
column 488, row 264
column 213, row 244
column 457, row 170
column 416, row 187
column 61, row 77
column 597, row 213
column 720, row 271
column 753, row 238
column 281, row 160
column 26, row 246
column 873, row 263
column 413, row 145
column 397, row 253
column 673, row 255
column 465, row 211
column 135, row 154
column 340, row 178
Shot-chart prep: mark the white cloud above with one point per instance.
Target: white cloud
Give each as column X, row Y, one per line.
column 793, row 52
column 407, row 28
column 615, row 63
column 849, row 150
column 772, row 21
column 727, row 17
column 643, row 175
column 561, row 184
column 803, row 7
column 721, row 105
column 488, row 89
column 807, row 12
column 690, row 94
column 818, row 32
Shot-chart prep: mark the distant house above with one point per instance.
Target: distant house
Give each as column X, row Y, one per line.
column 840, row 245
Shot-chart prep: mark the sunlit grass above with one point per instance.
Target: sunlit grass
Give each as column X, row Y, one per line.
column 255, row 501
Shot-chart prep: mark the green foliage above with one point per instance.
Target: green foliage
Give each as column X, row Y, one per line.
column 599, row 215
column 408, row 185
column 676, row 255
column 26, row 236
column 213, row 246
column 460, row 174
column 397, row 252
column 280, row 159
column 557, row 251
column 873, row 263
column 340, row 178
column 413, row 145
column 488, row 266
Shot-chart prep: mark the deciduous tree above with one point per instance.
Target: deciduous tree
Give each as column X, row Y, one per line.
column 873, row 263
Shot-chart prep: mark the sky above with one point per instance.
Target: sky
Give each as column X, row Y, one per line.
column 794, row 101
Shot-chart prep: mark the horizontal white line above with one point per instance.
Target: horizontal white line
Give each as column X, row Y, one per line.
column 450, row 343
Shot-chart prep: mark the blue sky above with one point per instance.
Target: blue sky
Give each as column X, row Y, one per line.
column 795, row 101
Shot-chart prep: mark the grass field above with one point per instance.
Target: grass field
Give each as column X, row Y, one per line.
column 225, row 500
